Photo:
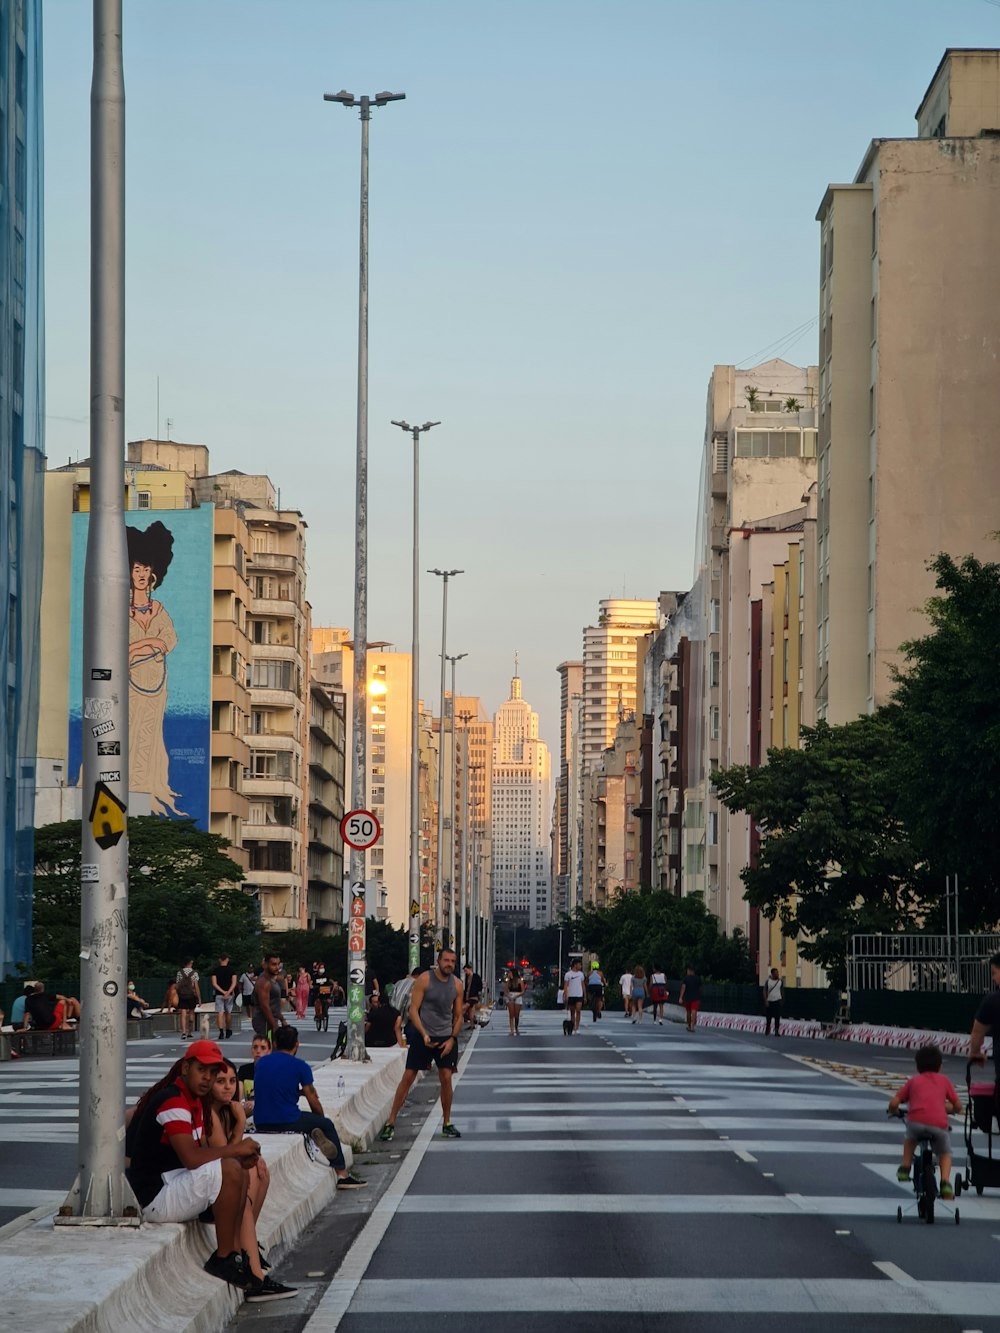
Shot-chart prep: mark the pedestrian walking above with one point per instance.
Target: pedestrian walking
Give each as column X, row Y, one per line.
column 246, row 983
column 625, row 986
column 472, row 993
column 773, row 995
column 638, row 993
column 223, row 982
column 595, row 991
column 513, row 998
column 188, row 997
column 658, row 993
column 432, row 1034
column 690, row 997
column 573, row 993
column 267, row 1017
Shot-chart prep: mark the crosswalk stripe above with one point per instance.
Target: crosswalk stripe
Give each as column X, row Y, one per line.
column 818, row 1205
column 762, row 1146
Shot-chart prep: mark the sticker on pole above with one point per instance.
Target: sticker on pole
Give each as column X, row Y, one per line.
column 360, row 829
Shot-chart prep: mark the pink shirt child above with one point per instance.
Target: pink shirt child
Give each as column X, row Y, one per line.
column 925, row 1096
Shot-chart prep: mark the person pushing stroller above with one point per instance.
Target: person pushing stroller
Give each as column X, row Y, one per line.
column 929, row 1095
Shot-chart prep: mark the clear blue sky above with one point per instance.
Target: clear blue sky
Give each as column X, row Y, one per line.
column 580, row 208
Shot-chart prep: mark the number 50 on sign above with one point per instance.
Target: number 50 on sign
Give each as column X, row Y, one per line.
column 360, row 829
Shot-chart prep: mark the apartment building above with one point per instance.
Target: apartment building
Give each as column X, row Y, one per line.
column 389, row 725
column 325, row 848
column 909, row 326
column 521, row 804
column 610, row 679
column 563, row 895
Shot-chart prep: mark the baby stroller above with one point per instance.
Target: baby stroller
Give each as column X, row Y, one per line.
column 982, row 1170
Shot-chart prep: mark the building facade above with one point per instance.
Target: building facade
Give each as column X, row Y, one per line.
column 521, row 801
column 564, row 809
column 22, row 462
column 325, row 847
column 610, row 678
column 909, row 327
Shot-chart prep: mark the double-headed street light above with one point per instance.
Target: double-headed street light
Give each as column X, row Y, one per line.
column 357, row 960
column 444, row 575
column 414, row 947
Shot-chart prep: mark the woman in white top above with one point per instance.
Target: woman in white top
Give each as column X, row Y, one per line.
column 573, row 992
column 658, row 993
column 513, row 996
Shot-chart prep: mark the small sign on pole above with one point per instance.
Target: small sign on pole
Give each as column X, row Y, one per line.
column 360, row 829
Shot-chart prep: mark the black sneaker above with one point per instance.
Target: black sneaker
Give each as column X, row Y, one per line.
column 267, row 1289
column 350, row 1182
column 229, row 1268
column 388, row 1133
column 449, row 1131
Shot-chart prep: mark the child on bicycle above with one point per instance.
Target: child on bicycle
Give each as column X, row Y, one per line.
column 929, row 1095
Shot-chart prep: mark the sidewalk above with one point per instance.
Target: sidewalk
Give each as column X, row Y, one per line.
column 150, row 1278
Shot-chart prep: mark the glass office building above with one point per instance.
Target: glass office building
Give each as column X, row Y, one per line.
column 22, row 462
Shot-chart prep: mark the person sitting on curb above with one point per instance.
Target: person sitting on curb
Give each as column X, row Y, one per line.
column 225, row 1122
column 245, row 1074
column 174, row 1173
column 135, row 1005
column 51, row 1013
column 279, row 1080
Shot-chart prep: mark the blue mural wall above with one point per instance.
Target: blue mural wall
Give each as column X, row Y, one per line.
column 170, row 660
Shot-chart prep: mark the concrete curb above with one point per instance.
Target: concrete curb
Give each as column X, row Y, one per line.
column 869, row 1034
column 150, row 1278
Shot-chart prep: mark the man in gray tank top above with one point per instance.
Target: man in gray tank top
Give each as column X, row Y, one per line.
column 432, row 1036
column 267, row 1017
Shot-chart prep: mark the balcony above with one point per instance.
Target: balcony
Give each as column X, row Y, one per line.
column 261, row 560
column 227, row 690
column 256, row 785
column 271, row 833
column 227, row 746
column 281, row 608
column 227, row 634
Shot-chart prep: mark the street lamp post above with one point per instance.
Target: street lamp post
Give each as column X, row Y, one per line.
column 357, row 961
column 463, row 878
column 475, row 886
column 414, row 950
column 454, row 660
column 444, row 575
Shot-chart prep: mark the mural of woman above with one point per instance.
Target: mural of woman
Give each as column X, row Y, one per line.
column 151, row 636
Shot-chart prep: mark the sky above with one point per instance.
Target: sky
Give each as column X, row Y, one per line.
column 578, row 210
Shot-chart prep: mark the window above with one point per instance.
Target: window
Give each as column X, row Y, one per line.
column 715, row 608
column 144, row 499
column 273, row 675
column 714, row 715
column 713, row 669
column 713, row 828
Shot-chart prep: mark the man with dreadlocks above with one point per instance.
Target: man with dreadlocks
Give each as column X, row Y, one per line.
column 176, row 1175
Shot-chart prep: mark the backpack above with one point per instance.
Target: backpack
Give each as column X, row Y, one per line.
column 185, row 986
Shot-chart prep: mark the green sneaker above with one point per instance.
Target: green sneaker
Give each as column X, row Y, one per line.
column 903, row 1173
column 388, row 1133
column 449, row 1131
column 947, row 1193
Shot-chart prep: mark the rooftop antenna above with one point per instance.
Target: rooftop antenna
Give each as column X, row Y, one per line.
column 170, row 426
column 157, row 407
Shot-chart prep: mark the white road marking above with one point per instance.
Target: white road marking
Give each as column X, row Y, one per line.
column 749, row 1146
column 892, row 1270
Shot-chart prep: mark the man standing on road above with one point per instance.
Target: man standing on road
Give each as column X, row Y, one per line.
column 625, row 983
column 472, row 994
column 188, row 997
column 224, row 989
column 573, row 992
column 432, row 1033
column 279, row 1080
column 690, row 997
column 267, row 1018
column 773, row 989
column 988, row 1020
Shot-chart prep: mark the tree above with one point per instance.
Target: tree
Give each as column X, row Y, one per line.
column 835, row 858
column 183, row 898
column 945, row 715
column 658, row 930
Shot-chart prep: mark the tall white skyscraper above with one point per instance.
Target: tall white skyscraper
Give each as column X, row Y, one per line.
column 522, row 881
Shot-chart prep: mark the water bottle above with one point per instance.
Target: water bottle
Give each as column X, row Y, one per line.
column 340, row 1088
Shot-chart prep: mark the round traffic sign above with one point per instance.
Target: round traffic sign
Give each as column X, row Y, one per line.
column 360, row 829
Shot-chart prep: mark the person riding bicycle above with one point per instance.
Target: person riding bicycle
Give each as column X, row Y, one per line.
column 324, row 993
column 929, row 1095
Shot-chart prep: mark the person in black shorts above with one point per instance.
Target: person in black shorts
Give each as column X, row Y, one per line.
column 432, row 1033
column 987, row 1020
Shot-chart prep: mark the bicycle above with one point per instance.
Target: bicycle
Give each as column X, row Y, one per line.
column 321, row 1012
column 924, row 1177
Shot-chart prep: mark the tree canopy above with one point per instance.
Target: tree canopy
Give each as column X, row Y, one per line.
column 659, row 930
column 183, row 899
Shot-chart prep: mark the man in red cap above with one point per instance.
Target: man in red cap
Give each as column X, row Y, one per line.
column 174, row 1174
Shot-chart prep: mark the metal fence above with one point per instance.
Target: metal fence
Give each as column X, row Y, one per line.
column 942, row 964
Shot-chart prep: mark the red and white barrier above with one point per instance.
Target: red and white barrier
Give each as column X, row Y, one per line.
column 869, row 1034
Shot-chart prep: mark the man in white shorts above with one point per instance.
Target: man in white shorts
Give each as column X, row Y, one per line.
column 174, row 1174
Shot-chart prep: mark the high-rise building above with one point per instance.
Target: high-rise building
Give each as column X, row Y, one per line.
column 909, row 327
column 570, row 688
column 388, row 778
column 22, row 462
column 610, row 680
column 521, row 809
column 327, row 766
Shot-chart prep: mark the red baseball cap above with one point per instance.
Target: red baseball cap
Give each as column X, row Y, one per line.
column 205, row 1052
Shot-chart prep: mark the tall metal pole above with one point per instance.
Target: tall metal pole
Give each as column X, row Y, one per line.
column 463, row 879
column 475, row 904
column 100, row 1191
column 444, row 575
column 357, row 958
column 453, row 765
column 414, row 939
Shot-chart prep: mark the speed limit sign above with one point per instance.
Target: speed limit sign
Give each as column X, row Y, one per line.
column 360, row 829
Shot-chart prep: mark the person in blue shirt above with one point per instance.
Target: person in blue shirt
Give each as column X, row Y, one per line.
column 17, row 1008
column 279, row 1080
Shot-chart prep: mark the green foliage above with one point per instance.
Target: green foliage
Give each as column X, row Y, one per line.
column 183, row 899
column 388, row 950
column 946, row 717
column 834, row 857
column 658, row 930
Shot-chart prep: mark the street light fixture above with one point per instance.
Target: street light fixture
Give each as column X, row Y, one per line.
column 414, row 923
column 357, row 962
column 445, row 575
